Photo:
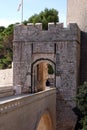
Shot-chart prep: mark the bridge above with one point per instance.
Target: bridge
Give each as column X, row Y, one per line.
column 29, row 111
column 40, row 56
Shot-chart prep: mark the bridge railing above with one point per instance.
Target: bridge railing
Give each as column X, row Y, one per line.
column 13, row 102
column 24, row 111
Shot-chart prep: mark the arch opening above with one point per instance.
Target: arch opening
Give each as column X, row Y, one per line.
column 45, row 123
column 43, row 75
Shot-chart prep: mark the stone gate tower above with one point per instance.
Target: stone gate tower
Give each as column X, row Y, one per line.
column 77, row 13
column 58, row 46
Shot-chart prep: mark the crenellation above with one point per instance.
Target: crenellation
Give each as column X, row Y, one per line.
column 32, row 27
column 54, row 27
column 73, row 26
column 33, row 33
column 38, row 26
column 34, row 48
column 51, row 27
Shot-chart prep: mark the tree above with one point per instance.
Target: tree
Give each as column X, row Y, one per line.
column 50, row 69
column 6, row 34
column 2, row 28
column 81, row 101
column 6, row 46
column 44, row 17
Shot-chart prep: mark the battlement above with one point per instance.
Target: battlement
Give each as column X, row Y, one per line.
column 51, row 26
column 34, row 32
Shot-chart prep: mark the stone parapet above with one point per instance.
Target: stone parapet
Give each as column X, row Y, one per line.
column 55, row 32
column 24, row 112
column 11, row 103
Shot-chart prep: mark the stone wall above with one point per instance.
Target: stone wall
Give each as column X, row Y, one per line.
column 65, row 117
column 77, row 13
column 83, row 60
column 6, row 78
column 25, row 111
column 60, row 46
column 6, row 82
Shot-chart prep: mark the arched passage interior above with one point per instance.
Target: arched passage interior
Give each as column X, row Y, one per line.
column 43, row 74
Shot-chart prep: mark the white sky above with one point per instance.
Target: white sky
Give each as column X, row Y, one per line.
column 9, row 13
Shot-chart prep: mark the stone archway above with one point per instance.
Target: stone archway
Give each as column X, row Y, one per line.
column 45, row 122
column 40, row 74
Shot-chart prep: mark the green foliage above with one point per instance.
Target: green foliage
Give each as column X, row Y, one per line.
column 2, row 28
column 8, row 30
column 50, row 69
column 6, row 46
column 1, row 47
column 81, row 100
column 44, row 17
column 5, row 62
column 6, row 34
column 84, row 123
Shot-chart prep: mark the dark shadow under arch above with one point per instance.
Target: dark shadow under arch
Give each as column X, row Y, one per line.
column 48, row 120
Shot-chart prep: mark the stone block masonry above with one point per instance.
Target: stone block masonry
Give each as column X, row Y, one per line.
column 60, row 46
column 25, row 111
column 76, row 13
column 6, row 82
column 6, row 78
column 34, row 33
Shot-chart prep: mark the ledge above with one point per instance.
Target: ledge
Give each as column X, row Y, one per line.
column 6, row 91
column 13, row 102
column 34, row 33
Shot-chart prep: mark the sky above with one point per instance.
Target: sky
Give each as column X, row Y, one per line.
column 10, row 15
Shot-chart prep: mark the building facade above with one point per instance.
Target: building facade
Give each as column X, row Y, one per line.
column 34, row 49
column 77, row 13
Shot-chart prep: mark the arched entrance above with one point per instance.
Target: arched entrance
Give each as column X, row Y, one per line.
column 43, row 74
column 45, row 122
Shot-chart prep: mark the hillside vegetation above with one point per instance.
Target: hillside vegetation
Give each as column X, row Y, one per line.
column 6, row 34
column 6, row 46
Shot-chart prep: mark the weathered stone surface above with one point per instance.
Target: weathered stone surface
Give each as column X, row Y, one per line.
column 6, row 82
column 66, row 118
column 23, row 33
column 25, row 111
column 77, row 13
column 6, row 77
column 58, row 46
